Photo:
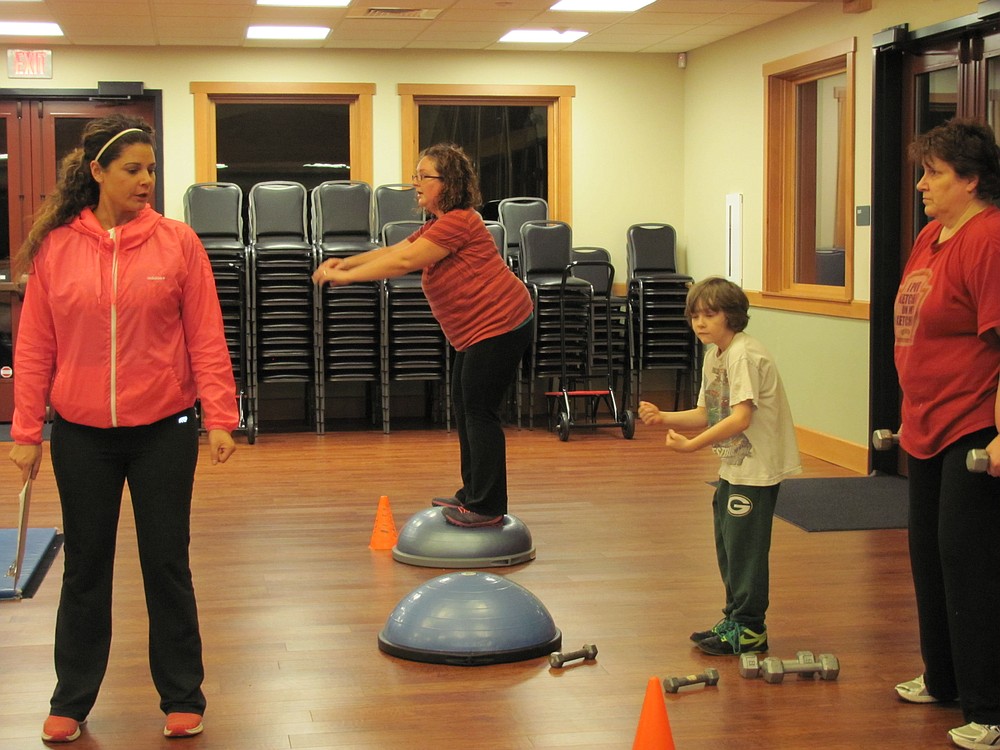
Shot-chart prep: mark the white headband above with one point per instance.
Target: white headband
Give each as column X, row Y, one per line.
column 114, row 138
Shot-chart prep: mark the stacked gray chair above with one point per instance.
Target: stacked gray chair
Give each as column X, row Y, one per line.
column 215, row 211
column 413, row 346
column 513, row 212
column 562, row 336
column 347, row 318
column 660, row 334
column 618, row 369
column 393, row 202
column 283, row 261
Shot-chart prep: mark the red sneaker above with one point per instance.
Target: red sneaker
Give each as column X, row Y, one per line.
column 60, row 729
column 183, row 725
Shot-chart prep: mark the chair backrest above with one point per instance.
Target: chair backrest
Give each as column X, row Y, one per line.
column 546, row 247
column 278, row 211
column 499, row 234
column 597, row 275
column 215, row 210
column 397, row 231
column 397, row 202
column 341, row 209
column 514, row 212
column 650, row 249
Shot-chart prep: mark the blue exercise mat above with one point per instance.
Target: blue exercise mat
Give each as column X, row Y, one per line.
column 40, row 548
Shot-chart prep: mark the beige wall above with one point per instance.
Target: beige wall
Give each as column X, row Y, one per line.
column 627, row 142
column 824, row 361
column 651, row 142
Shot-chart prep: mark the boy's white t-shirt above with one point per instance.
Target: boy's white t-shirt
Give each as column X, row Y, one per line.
column 767, row 451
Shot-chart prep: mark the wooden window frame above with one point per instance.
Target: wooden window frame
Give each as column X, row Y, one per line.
column 358, row 97
column 781, row 146
column 557, row 99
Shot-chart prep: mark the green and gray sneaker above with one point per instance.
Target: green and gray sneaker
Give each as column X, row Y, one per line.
column 699, row 635
column 732, row 639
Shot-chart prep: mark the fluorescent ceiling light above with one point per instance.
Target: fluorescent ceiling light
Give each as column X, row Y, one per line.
column 602, row 6
column 29, row 28
column 326, row 165
column 287, row 32
column 542, row 36
column 307, row 3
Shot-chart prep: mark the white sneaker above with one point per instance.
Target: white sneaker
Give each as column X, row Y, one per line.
column 976, row 736
column 914, row 691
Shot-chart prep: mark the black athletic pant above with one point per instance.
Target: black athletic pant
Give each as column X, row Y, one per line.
column 91, row 466
column 743, row 518
column 955, row 559
column 480, row 377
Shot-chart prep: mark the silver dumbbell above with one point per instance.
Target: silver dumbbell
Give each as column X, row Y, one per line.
column 805, row 665
column 977, row 460
column 710, row 677
column 558, row 659
column 883, row 440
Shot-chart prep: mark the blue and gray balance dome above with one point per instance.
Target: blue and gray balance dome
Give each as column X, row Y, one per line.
column 468, row 618
column 427, row 539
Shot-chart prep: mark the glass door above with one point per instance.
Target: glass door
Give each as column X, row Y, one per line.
column 35, row 134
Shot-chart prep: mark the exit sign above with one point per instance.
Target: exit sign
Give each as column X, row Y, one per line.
column 29, row 63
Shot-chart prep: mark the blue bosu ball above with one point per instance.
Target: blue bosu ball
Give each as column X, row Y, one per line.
column 469, row 619
column 427, row 539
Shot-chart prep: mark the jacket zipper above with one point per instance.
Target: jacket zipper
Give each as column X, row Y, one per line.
column 114, row 329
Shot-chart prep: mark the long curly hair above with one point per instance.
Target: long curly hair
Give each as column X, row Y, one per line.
column 76, row 188
column 458, row 177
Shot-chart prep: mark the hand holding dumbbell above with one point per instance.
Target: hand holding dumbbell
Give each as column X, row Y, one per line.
column 709, row 677
column 558, row 659
column 805, row 666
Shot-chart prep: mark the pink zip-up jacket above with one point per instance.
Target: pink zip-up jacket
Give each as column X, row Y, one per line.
column 121, row 328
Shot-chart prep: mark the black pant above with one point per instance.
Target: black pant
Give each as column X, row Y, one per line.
column 743, row 518
column 91, row 467
column 955, row 559
column 480, row 377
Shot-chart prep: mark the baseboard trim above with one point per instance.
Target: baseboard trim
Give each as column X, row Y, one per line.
column 833, row 449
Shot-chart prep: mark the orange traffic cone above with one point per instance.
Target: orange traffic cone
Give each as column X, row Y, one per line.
column 654, row 726
column 384, row 534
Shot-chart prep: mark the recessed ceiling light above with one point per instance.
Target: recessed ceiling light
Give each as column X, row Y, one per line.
column 307, row 3
column 29, row 28
column 287, row 32
column 542, row 36
column 602, row 6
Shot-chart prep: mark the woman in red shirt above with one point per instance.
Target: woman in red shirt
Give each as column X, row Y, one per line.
column 483, row 308
column 947, row 352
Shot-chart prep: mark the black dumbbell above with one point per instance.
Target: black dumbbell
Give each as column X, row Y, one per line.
column 709, row 677
column 558, row 659
column 883, row 440
column 805, row 666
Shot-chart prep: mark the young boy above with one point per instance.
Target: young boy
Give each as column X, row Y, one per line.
column 743, row 414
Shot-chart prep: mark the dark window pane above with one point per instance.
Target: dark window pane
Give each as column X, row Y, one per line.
column 307, row 143
column 508, row 145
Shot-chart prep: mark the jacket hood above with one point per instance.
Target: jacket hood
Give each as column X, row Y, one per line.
column 130, row 234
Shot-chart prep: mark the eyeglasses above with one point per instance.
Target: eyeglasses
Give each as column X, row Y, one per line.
column 422, row 177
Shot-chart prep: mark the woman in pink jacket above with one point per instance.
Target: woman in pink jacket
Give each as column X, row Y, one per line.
column 120, row 333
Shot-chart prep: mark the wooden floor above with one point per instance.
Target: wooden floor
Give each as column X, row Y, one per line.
column 292, row 601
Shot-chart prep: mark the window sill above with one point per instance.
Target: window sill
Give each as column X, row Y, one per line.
column 854, row 309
